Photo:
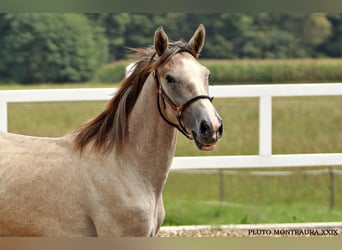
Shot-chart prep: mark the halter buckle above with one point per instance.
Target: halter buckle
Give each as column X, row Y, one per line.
column 179, row 110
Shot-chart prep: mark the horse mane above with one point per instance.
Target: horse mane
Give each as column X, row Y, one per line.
column 110, row 128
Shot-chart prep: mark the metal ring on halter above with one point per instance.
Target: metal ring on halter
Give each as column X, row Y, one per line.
column 177, row 109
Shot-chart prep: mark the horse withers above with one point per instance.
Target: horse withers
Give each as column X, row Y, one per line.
column 106, row 177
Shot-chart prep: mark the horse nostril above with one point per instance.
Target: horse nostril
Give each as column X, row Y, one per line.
column 220, row 131
column 204, row 129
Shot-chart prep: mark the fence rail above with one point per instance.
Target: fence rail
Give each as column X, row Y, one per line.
column 264, row 159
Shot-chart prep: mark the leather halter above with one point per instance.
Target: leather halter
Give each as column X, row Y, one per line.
column 177, row 109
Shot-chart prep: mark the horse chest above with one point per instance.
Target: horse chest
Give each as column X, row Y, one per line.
column 141, row 215
column 127, row 220
column 137, row 221
column 130, row 210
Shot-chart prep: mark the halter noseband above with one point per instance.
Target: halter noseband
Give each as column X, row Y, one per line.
column 177, row 109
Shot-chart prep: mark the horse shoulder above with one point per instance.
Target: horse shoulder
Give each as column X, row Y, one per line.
column 37, row 185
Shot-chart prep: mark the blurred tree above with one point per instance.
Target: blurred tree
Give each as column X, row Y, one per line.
column 307, row 31
column 267, row 35
column 68, row 47
column 333, row 46
column 240, row 35
column 115, row 26
column 4, row 30
column 51, row 47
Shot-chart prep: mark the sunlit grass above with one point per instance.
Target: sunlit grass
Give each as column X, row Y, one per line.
column 185, row 212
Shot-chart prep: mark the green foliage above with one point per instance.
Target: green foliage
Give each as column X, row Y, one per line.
column 333, row 46
column 116, row 31
column 51, row 48
column 112, row 73
column 69, row 47
column 270, row 35
column 229, row 35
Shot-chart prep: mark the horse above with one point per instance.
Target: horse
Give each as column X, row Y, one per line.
column 106, row 177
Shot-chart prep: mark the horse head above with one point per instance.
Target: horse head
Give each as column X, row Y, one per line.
column 183, row 99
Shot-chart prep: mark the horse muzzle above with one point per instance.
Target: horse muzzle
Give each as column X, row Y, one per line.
column 207, row 132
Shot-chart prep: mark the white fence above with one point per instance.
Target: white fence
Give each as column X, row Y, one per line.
column 264, row 159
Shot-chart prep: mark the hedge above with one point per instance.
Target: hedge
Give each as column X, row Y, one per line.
column 251, row 71
column 275, row 71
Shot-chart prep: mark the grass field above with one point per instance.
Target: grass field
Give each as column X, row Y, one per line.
column 244, row 71
column 300, row 125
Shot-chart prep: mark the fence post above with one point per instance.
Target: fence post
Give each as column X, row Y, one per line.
column 265, row 125
column 3, row 116
column 221, row 185
column 332, row 188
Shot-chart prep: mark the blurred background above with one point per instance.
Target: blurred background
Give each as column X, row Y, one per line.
column 78, row 47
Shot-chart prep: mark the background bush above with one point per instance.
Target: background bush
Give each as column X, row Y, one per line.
column 51, row 48
column 111, row 73
column 229, row 35
column 69, row 47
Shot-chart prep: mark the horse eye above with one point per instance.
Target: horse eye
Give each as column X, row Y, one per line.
column 170, row 79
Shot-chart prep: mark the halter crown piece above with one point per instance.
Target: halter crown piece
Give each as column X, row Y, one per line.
column 177, row 109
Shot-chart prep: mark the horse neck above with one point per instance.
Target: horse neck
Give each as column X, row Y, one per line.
column 151, row 142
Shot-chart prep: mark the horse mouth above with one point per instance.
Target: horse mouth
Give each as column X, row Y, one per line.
column 202, row 146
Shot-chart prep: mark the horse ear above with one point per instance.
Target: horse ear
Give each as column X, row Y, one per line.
column 161, row 41
column 197, row 41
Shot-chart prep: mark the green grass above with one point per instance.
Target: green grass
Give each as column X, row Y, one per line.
column 194, row 199
column 184, row 212
column 50, row 119
column 307, row 125
column 300, row 125
column 275, row 71
column 251, row 71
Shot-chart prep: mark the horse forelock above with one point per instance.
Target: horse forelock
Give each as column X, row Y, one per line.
column 110, row 128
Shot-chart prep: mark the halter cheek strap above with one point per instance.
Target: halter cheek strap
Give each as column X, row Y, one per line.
column 178, row 110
